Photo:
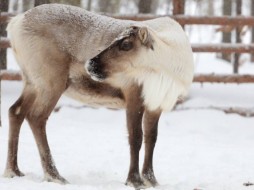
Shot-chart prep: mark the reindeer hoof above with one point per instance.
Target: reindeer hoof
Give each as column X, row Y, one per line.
column 136, row 182
column 150, row 180
column 136, row 185
column 56, row 179
column 9, row 173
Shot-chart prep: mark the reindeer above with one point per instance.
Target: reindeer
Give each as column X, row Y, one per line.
column 143, row 67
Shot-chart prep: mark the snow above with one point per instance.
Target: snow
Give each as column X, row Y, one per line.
column 202, row 149
column 198, row 148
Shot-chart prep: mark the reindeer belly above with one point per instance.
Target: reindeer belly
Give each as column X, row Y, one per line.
column 94, row 94
column 95, row 100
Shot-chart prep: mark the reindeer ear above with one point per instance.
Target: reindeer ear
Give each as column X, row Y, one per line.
column 143, row 34
column 145, row 37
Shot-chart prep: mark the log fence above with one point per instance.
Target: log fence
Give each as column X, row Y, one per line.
column 198, row 48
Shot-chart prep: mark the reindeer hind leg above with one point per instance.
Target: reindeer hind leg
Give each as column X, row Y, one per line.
column 17, row 114
column 48, row 93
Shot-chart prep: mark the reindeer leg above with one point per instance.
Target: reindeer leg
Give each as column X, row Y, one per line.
column 37, row 117
column 49, row 89
column 17, row 114
column 134, row 114
column 150, row 134
column 38, row 126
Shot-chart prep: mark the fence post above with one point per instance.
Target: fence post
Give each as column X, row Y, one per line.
column 178, row 8
column 238, row 37
column 3, row 52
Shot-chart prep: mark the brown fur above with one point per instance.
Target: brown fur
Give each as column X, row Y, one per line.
column 48, row 72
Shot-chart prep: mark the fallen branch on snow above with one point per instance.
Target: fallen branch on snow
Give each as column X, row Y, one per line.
column 245, row 112
column 248, row 184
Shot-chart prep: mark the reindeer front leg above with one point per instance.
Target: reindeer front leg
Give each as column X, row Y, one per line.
column 134, row 114
column 151, row 119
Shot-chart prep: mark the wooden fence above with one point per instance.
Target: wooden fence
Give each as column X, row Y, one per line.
column 198, row 48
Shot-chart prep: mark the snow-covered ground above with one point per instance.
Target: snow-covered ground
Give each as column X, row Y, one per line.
column 198, row 148
column 203, row 149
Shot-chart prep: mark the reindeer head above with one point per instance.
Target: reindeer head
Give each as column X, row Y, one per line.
column 123, row 55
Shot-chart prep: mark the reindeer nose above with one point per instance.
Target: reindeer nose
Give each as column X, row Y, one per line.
column 92, row 63
column 95, row 70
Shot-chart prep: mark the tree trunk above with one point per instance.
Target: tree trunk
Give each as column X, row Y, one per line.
column 109, row 6
column 3, row 55
column 13, row 6
column 238, row 36
column 68, row 2
column 178, row 7
column 145, row 6
column 103, row 5
column 154, row 6
column 210, row 7
column 252, row 30
column 27, row 4
column 168, row 7
column 4, row 4
column 89, row 5
column 40, row 2
column 226, row 36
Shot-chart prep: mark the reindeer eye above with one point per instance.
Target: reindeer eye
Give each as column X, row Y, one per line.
column 126, row 46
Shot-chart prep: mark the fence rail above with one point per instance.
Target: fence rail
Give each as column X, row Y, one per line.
column 5, row 43
column 182, row 19
column 223, row 47
column 201, row 78
column 5, row 17
column 191, row 20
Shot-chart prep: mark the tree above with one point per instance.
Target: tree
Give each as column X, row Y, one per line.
column 154, row 6
column 252, row 30
column 89, row 5
column 178, row 7
column 40, row 2
column 145, row 6
column 4, row 8
column 4, row 4
column 27, row 4
column 13, row 6
column 238, row 36
column 69, row 2
column 210, row 7
column 168, row 7
column 226, row 36
column 109, row 6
